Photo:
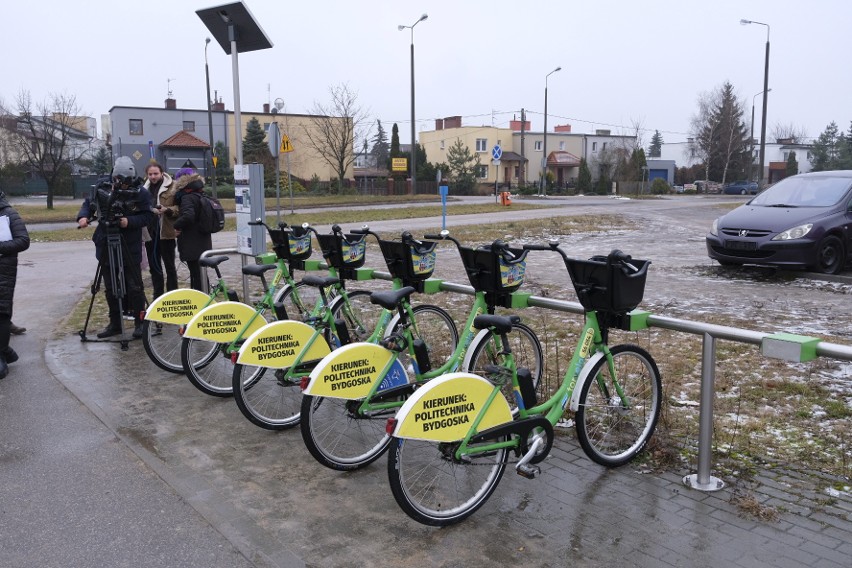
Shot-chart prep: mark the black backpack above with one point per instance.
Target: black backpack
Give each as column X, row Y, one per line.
column 211, row 218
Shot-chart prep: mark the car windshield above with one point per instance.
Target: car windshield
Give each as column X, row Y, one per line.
column 822, row 191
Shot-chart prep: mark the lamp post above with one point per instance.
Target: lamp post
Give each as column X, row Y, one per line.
column 751, row 139
column 210, row 116
column 544, row 149
column 413, row 126
column 765, row 98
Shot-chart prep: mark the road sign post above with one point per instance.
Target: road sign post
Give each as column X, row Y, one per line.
column 496, row 154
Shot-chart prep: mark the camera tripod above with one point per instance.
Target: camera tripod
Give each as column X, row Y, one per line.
column 115, row 266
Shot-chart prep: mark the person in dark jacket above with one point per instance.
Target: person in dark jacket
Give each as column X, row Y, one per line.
column 124, row 207
column 13, row 239
column 191, row 240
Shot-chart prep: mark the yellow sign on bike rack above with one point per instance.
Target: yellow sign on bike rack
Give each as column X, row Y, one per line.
column 276, row 345
column 444, row 409
column 177, row 306
column 349, row 372
column 223, row 322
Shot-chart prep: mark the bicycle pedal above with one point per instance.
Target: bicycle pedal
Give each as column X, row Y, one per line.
column 528, row 471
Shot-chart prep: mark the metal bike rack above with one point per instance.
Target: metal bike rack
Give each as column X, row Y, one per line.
column 779, row 346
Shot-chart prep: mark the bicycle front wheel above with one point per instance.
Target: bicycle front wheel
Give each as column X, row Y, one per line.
column 487, row 353
column 619, row 406
column 438, row 330
column 299, row 301
column 358, row 314
column 341, row 438
column 267, row 397
column 435, row 488
column 162, row 343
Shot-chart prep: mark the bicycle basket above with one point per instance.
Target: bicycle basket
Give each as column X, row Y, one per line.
column 488, row 271
column 608, row 287
column 343, row 251
column 409, row 262
column 288, row 245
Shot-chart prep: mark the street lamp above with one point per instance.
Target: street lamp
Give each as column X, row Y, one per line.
column 751, row 139
column 544, row 149
column 210, row 116
column 765, row 97
column 413, row 150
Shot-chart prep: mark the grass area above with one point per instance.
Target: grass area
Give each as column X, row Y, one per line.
column 64, row 211
column 353, row 214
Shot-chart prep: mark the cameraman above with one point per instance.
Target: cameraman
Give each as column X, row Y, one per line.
column 125, row 207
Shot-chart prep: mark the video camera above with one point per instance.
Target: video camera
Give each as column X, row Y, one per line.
column 116, row 198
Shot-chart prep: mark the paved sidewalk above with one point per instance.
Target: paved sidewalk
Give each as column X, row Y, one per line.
column 271, row 504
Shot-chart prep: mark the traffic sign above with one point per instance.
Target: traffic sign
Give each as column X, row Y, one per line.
column 497, row 152
column 286, row 145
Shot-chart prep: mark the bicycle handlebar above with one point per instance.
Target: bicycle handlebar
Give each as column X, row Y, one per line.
column 614, row 257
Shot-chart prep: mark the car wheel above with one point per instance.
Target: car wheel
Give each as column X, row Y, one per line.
column 743, row 192
column 830, row 257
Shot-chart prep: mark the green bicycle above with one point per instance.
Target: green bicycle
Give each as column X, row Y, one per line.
column 452, row 439
column 268, row 393
column 352, row 392
column 208, row 363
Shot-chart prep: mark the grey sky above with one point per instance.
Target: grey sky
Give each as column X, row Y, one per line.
column 622, row 62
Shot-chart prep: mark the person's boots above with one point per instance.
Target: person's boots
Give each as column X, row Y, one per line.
column 137, row 329
column 114, row 327
column 16, row 329
column 9, row 355
column 4, row 368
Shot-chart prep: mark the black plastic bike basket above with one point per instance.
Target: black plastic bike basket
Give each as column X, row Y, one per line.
column 289, row 246
column 608, row 287
column 489, row 272
column 410, row 263
column 344, row 253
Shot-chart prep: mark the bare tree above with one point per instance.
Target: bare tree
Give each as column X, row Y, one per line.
column 44, row 133
column 702, row 127
column 789, row 131
column 335, row 128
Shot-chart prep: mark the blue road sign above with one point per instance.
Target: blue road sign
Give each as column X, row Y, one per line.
column 496, row 152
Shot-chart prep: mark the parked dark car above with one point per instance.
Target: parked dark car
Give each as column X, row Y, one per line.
column 741, row 187
column 801, row 221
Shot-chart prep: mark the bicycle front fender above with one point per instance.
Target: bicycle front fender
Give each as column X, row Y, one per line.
column 177, row 307
column 223, row 322
column 351, row 372
column 445, row 408
column 279, row 344
column 585, row 375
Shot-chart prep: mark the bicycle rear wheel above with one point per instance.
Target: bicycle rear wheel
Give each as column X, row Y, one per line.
column 610, row 430
column 438, row 330
column 338, row 436
column 433, row 487
column 162, row 343
column 300, row 302
column 486, row 351
column 266, row 397
column 206, row 365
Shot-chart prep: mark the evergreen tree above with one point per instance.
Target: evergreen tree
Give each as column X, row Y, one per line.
column 729, row 158
column 102, row 164
column 381, row 148
column 584, row 178
column 256, row 150
column 826, row 150
column 655, row 150
column 395, row 152
column 792, row 164
column 462, row 164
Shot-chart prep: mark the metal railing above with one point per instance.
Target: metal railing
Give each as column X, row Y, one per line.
column 703, row 479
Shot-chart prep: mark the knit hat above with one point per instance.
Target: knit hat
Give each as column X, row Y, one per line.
column 184, row 172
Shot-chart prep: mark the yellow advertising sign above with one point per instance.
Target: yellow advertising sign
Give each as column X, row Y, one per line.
column 223, row 322
column 349, row 372
column 277, row 345
column 286, row 145
column 177, row 306
column 399, row 164
column 444, row 409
